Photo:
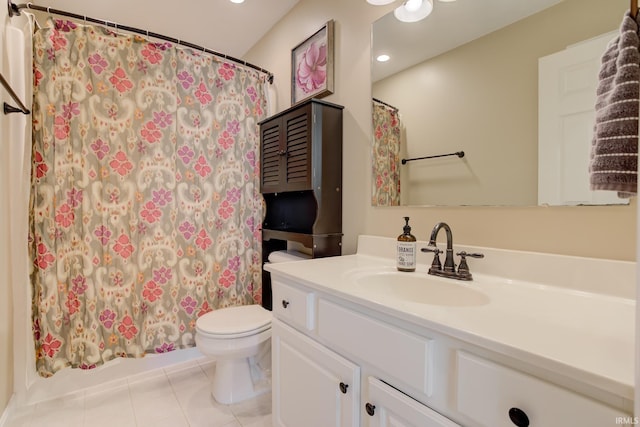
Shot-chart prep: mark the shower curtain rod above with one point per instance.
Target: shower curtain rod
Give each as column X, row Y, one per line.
column 457, row 153
column 384, row 103
column 10, row 108
column 14, row 9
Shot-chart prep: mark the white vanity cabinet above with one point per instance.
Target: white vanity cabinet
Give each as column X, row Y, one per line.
column 340, row 363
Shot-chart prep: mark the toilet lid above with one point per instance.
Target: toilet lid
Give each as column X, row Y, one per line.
column 235, row 320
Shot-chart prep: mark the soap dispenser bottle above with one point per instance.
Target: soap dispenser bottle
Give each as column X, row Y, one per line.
column 406, row 249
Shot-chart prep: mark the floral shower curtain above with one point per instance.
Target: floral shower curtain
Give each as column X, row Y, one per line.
column 145, row 205
column 386, row 156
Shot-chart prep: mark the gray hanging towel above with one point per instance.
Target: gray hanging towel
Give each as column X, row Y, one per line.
column 614, row 148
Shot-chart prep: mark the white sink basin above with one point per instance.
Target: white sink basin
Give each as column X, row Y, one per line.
column 417, row 287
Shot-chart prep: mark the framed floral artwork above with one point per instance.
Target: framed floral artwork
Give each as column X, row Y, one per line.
column 312, row 66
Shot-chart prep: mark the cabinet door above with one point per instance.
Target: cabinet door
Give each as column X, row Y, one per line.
column 387, row 407
column 271, row 149
column 296, row 159
column 312, row 386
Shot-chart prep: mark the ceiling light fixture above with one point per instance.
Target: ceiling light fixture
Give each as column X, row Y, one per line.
column 413, row 10
column 237, row 1
column 383, row 58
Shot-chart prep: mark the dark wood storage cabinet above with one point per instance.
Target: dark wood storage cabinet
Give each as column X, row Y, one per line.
column 301, row 180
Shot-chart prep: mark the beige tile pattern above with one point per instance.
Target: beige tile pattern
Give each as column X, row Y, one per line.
column 171, row 398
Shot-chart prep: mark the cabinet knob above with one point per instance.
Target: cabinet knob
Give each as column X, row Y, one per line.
column 344, row 387
column 285, row 303
column 371, row 409
column 518, row 417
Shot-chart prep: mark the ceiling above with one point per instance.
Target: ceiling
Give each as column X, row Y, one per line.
column 218, row 25
column 450, row 25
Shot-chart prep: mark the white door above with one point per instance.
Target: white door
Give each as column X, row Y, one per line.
column 312, row 386
column 567, row 83
column 387, row 407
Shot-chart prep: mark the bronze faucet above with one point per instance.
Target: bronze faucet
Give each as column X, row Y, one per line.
column 449, row 269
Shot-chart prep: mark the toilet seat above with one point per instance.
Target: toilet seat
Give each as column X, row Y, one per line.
column 234, row 322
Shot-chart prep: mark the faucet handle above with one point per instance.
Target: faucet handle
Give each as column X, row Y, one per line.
column 463, row 269
column 435, row 264
column 464, row 254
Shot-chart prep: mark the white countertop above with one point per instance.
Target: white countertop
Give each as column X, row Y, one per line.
column 577, row 333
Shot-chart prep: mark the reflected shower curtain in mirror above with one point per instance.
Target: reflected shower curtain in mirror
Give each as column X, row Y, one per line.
column 386, row 155
column 145, row 205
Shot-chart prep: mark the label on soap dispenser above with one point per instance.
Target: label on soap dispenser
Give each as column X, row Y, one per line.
column 406, row 257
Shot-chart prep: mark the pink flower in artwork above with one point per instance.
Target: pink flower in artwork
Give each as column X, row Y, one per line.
column 202, row 167
column 51, row 345
column 152, row 53
column 41, row 165
column 44, row 258
column 97, row 63
column 65, row 216
column 203, row 241
column 123, row 246
column 225, row 140
column 203, row 94
column 120, row 81
column 225, row 210
column 311, row 73
column 126, row 328
column 150, row 132
column 152, row 291
column 61, row 127
column 227, row 278
column 150, row 212
column 121, row 164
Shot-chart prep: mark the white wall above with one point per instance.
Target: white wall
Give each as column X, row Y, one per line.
column 599, row 231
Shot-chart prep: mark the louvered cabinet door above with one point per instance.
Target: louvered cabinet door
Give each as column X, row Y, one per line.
column 297, row 159
column 271, row 153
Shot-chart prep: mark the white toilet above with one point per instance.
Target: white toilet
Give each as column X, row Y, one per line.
column 239, row 339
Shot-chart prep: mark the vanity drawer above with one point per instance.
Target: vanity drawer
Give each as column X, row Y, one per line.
column 403, row 357
column 294, row 306
column 487, row 392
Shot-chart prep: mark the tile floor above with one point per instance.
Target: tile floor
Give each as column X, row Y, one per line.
column 171, row 398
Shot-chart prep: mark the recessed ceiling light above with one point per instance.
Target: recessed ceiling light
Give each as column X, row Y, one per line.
column 237, row 1
column 383, row 58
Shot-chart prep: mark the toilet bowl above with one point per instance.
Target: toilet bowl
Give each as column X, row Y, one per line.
column 238, row 338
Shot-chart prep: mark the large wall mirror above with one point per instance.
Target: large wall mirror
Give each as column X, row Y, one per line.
column 489, row 78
